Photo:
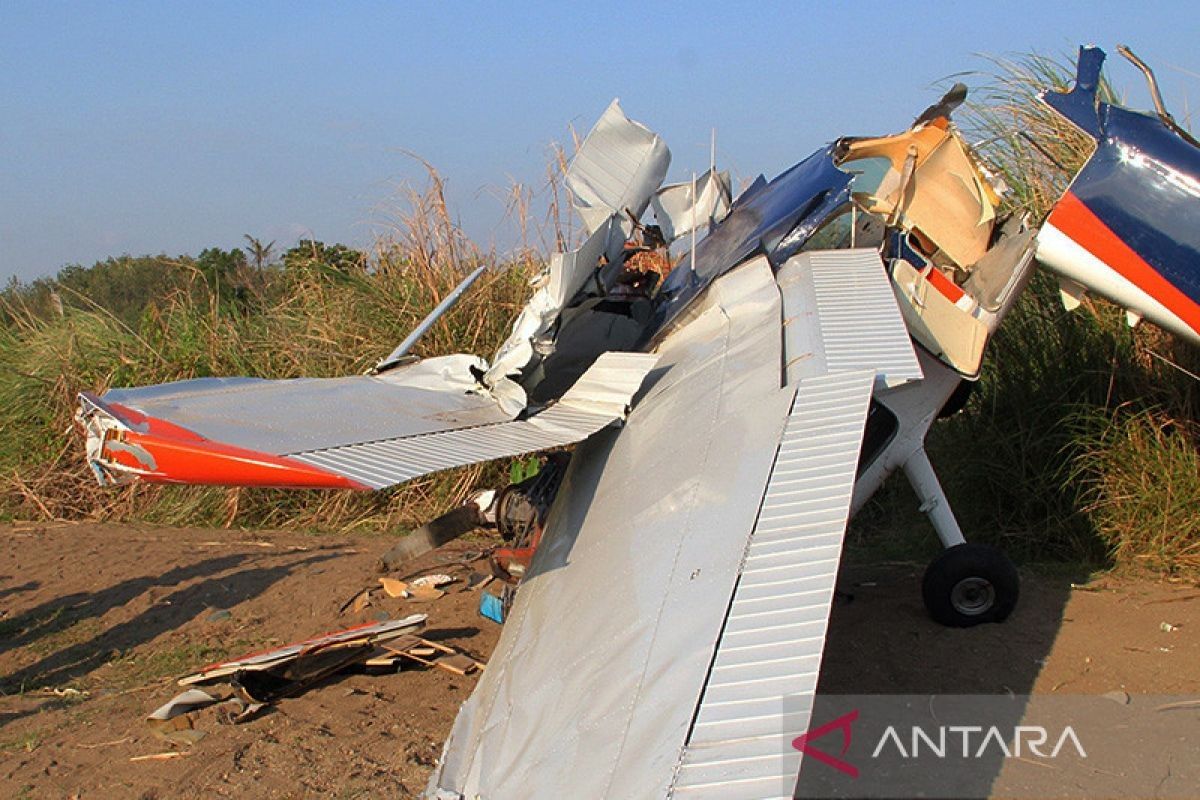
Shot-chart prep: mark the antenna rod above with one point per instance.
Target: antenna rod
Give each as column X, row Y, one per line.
column 1156, row 95
column 693, row 223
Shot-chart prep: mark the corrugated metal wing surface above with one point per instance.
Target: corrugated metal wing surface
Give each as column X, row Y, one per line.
column 592, row 687
column 860, row 323
column 759, row 693
column 598, row 399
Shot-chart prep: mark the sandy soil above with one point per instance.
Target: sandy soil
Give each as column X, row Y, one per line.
column 96, row 622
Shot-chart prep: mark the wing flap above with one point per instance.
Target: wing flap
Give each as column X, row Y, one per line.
column 597, row 400
column 758, row 698
column 619, row 166
column 840, row 314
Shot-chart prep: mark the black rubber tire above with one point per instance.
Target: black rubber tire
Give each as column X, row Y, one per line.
column 970, row 584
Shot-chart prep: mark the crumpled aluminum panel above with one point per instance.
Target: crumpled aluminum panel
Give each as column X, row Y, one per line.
column 620, row 164
column 759, row 693
column 598, row 399
column 859, row 322
column 680, row 208
column 594, row 682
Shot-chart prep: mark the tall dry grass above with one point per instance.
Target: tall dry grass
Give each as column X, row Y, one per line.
column 1080, row 442
column 315, row 320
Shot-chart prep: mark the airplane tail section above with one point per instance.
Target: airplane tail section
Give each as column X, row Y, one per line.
column 1128, row 227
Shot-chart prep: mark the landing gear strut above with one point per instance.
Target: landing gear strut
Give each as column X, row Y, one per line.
column 968, row 584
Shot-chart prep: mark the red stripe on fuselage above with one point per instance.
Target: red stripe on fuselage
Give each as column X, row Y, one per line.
column 1080, row 223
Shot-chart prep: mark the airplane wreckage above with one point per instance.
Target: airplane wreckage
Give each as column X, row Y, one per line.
column 731, row 408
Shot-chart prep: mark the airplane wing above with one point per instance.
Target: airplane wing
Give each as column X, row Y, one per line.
column 356, row 432
column 667, row 639
column 404, row 419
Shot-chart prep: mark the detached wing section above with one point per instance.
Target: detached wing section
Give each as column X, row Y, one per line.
column 359, row 432
column 667, row 639
column 617, row 168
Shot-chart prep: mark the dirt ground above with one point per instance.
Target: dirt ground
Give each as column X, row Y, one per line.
column 96, row 622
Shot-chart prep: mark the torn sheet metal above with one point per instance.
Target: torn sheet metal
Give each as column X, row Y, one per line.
column 591, row 689
column 678, row 212
column 617, row 168
column 370, row 633
column 565, row 275
column 925, row 179
column 759, row 693
column 775, row 220
column 597, row 400
column 183, row 703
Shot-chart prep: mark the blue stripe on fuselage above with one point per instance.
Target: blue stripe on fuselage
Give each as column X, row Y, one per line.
column 1143, row 182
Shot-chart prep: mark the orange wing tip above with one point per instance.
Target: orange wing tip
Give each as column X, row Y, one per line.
column 125, row 444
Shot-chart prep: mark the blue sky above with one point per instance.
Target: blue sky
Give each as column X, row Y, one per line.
column 169, row 127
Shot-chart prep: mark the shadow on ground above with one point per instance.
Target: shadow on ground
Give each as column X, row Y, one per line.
column 912, row 655
column 221, row 588
column 63, row 612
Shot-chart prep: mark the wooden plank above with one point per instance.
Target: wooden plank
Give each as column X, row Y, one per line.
column 432, row 654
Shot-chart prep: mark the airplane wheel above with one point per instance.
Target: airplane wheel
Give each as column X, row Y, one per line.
column 970, row 584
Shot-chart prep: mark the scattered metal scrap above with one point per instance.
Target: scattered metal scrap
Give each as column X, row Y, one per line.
column 259, row 679
column 518, row 513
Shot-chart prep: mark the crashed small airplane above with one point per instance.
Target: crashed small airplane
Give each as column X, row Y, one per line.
column 732, row 407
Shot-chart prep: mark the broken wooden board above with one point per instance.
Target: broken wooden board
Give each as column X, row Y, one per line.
column 393, row 587
column 432, row 654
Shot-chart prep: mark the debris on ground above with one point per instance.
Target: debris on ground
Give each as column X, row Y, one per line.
column 160, row 756
column 257, row 680
column 393, row 587
column 478, row 580
column 381, row 740
column 433, row 654
column 491, row 607
column 428, row 587
column 479, row 512
column 357, row 638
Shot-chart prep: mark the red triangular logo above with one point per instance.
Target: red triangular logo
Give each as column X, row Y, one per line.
column 803, row 743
